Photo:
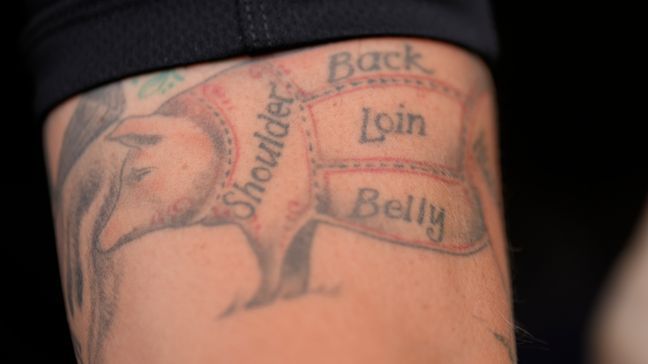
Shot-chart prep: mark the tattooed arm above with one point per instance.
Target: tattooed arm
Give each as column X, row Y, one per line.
column 331, row 204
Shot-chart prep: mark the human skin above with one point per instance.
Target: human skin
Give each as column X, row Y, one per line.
column 619, row 329
column 338, row 203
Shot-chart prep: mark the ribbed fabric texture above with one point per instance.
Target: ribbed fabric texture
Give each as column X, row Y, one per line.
column 76, row 45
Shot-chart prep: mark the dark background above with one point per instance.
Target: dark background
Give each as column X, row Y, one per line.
column 574, row 175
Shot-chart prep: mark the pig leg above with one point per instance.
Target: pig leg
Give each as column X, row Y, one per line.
column 289, row 278
column 266, row 293
column 267, row 261
column 295, row 270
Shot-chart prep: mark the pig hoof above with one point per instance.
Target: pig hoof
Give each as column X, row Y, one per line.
column 231, row 309
column 293, row 288
column 261, row 299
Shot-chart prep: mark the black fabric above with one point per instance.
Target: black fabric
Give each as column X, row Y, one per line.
column 75, row 45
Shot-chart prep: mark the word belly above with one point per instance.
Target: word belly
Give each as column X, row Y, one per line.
column 405, row 207
column 369, row 204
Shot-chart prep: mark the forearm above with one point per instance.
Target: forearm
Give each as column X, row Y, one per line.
column 336, row 204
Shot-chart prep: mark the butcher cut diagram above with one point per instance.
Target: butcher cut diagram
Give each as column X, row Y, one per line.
column 363, row 154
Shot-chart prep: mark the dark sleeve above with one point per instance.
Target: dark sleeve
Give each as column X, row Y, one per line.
column 75, row 45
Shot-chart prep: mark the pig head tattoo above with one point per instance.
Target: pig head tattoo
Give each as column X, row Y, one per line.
column 201, row 159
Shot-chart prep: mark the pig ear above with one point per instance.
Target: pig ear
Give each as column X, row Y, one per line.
column 135, row 133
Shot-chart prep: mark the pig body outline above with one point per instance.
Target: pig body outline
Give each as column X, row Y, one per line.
column 282, row 274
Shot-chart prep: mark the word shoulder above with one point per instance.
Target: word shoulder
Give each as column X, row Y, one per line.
column 342, row 65
column 376, row 125
column 274, row 129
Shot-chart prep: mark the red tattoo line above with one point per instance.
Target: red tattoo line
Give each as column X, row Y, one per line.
column 453, row 92
column 389, row 170
column 455, row 247
column 230, row 125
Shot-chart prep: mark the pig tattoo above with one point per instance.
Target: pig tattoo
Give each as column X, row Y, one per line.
column 192, row 163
